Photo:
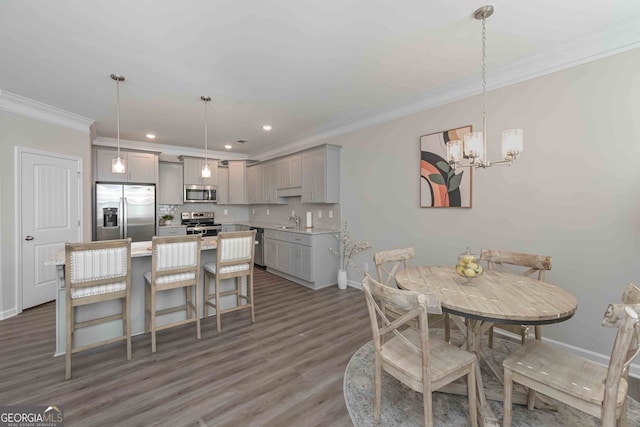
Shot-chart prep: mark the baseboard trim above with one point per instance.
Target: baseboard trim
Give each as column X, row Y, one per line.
column 8, row 313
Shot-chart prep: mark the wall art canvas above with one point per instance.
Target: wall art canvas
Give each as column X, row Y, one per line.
column 440, row 185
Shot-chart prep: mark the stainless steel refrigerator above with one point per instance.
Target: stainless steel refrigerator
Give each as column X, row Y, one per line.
column 125, row 211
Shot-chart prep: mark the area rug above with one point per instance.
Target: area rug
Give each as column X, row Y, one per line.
column 402, row 406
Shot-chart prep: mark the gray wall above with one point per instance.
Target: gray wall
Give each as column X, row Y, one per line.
column 21, row 131
column 573, row 194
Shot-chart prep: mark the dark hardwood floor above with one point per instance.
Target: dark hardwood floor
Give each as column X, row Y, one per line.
column 284, row 370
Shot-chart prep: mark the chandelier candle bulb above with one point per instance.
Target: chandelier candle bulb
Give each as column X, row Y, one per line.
column 474, row 145
column 454, row 151
column 512, row 143
column 309, row 219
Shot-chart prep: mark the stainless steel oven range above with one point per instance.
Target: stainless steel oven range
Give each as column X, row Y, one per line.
column 202, row 223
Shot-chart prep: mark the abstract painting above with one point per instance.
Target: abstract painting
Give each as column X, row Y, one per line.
column 440, row 185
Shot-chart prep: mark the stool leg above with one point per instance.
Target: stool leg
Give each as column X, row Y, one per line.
column 147, row 307
column 250, row 294
column 217, row 285
column 67, row 373
column 152, row 315
column 206, row 282
column 196, row 308
column 187, row 290
column 126, row 324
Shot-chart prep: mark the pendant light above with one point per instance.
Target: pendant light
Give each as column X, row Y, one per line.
column 475, row 143
column 206, row 172
column 117, row 165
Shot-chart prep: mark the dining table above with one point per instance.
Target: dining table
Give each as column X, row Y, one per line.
column 476, row 304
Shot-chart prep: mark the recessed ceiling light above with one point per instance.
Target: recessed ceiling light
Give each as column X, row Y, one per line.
column 267, row 127
column 228, row 146
column 150, row 136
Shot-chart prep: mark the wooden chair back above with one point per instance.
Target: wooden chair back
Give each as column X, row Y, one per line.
column 536, row 263
column 414, row 305
column 389, row 262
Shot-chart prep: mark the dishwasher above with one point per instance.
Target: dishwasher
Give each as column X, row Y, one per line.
column 259, row 255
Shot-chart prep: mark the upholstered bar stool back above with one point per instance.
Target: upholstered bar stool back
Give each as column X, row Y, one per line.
column 97, row 272
column 175, row 263
column 234, row 259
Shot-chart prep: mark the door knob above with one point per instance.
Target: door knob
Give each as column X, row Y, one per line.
column 28, row 238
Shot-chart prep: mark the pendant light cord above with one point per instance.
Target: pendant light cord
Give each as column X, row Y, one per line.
column 118, row 113
column 206, row 130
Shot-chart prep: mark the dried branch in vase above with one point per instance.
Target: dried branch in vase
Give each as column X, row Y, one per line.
column 348, row 249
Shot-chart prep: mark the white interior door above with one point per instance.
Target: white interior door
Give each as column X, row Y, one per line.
column 50, row 216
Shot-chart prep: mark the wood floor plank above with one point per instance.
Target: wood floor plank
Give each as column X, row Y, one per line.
column 284, row 370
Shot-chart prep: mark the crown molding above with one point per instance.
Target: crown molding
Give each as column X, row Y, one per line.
column 597, row 45
column 37, row 110
column 170, row 150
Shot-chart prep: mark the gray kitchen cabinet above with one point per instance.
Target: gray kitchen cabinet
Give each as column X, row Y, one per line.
column 302, row 258
column 229, row 227
column 170, row 183
column 321, row 175
column 252, row 184
column 262, row 184
column 237, row 182
column 290, row 171
column 193, row 171
column 140, row 167
column 223, row 186
column 172, row 231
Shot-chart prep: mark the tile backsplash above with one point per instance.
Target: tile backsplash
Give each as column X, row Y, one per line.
column 323, row 215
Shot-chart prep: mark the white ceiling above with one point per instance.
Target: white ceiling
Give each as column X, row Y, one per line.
column 308, row 68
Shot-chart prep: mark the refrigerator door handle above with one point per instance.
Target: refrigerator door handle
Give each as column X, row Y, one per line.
column 123, row 209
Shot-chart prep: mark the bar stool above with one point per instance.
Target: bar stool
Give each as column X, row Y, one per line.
column 175, row 263
column 97, row 272
column 234, row 259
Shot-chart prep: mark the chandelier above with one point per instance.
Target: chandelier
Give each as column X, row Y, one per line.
column 206, row 172
column 474, row 145
column 117, row 165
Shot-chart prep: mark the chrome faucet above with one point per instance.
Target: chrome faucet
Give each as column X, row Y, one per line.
column 295, row 218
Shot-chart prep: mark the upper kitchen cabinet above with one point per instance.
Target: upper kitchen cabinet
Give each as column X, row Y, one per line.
column 321, row 175
column 140, row 167
column 252, row 184
column 237, row 182
column 290, row 171
column 170, row 185
column 262, row 184
column 223, row 185
column 193, row 171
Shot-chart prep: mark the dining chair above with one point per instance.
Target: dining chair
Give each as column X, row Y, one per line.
column 175, row 264
column 580, row 383
column 535, row 264
column 420, row 362
column 388, row 263
column 234, row 260
column 97, row 272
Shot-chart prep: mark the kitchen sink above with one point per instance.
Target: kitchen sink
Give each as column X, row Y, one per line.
column 285, row 227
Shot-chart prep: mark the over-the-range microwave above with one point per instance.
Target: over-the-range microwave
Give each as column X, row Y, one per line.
column 200, row 194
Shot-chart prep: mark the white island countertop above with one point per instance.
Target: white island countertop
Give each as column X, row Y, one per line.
column 138, row 249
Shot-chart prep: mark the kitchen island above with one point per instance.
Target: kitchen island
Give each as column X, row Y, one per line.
column 140, row 264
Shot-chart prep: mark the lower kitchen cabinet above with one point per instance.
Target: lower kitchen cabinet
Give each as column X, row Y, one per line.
column 172, row 231
column 302, row 258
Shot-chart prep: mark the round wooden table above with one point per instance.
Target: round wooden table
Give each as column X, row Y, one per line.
column 476, row 304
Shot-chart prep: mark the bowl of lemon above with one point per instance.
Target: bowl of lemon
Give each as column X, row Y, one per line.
column 468, row 265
